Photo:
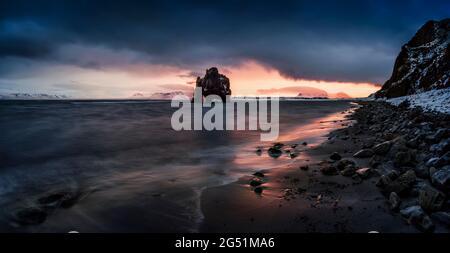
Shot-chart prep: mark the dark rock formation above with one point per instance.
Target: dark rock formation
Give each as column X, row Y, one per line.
column 364, row 153
column 214, row 83
column 382, row 148
column 394, row 201
column 431, row 199
column 417, row 217
column 423, row 63
column 335, row 156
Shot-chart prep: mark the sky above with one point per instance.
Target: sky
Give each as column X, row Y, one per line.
column 113, row 49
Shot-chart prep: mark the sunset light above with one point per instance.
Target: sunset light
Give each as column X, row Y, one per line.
column 225, row 124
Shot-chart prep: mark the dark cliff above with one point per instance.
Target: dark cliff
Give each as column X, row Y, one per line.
column 423, row 63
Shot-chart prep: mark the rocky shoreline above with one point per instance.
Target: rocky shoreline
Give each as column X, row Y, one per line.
column 387, row 172
column 409, row 152
column 386, row 169
column 394, row 161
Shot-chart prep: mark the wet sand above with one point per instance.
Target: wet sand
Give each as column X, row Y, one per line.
column 296, row 200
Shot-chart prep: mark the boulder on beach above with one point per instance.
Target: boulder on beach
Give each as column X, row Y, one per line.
column 403, row 158
column 394, row 201
column 349, row 171
column 441, row 148
column 364, row 172
column 444, row 160
column 417, row 217
column 364, row 153
column 441, row 178
column 422, row 171
column 387, row 178
column 401, row 185
column 259, row 151
column 344, row 163
column 431, row 199
column 274, row 152
column 335, row 156
column 382, row 148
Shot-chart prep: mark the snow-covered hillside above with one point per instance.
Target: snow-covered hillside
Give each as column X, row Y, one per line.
column 434, row 100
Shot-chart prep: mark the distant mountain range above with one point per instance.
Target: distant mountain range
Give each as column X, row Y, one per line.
column 157, row 95
column 32, row 96
column 423, row 63
column 302, row 91
column 339, row 95
column 307, row 93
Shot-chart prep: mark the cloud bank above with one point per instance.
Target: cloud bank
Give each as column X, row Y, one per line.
column 344, row 41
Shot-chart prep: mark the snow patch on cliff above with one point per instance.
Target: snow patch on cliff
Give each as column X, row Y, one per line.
column 434, row 100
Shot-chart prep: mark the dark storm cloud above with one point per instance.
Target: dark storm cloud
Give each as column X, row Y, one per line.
column 326, row 40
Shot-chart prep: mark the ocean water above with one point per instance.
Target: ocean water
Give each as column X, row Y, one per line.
column 133, row 172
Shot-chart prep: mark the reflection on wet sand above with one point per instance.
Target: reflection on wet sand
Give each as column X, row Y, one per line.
column 294, row 139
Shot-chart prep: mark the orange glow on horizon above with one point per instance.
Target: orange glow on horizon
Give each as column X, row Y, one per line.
column 251, row 76
column 246, row 79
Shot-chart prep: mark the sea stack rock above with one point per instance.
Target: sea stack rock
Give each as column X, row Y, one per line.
column 423, row 63
column 214, row 83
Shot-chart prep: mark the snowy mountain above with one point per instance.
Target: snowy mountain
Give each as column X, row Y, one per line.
column 301, row 92
column 32, row 96
column 157, row 95
column 423, row 63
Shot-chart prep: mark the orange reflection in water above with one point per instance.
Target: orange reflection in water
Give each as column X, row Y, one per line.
column 314, row 133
